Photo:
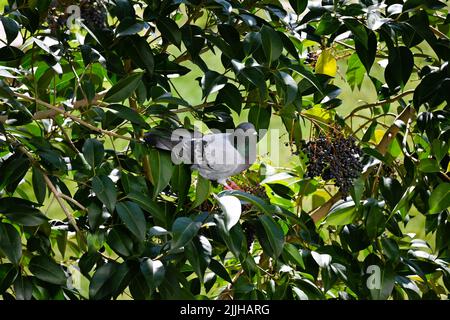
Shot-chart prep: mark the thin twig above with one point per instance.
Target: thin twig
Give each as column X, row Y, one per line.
column 380, row 103
column 74, row 118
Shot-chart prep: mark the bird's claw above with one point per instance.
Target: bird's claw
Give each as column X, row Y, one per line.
column 234, row 186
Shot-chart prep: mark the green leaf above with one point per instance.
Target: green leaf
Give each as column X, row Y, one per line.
column 93, row 152
column 21, row 211
column 341, row 214
column 391, row 249
column 101, row 285
column 440, row 198
column 198, row 252
column 359, row 31
column 181, row 182
column 123, row 89
column 161, row 168
column 355, row 72
column 274, row 235
column 10, row 243
column 39, row 185
column 399, row 68
column 183, row 230
column 299, row 5
column 11, row 28
column 309, row 76
column 8, row 273
column 288, row 85
column 375, row 221
column 391, row 190
column 12, row 171
column 120, row 240
column 153, row 271
column 147, row 204
column 271, row 43
column 23, row 288
column 231, row 96
column 133, row 218
column 367, row 53
column 105, row 190
column 202, row 191
column 218, row 268
column 262, row 205
column 169, row 30
column 125, row 28
column 428, row 4
column 328, row 24
column 254, row 76
column 212, row 82
column 47, row 270
column 439, row 148
column 129, row 114
column 95, row 216
column 292, row 254
column 141, row 53
column 260, row 116
column 429, row 165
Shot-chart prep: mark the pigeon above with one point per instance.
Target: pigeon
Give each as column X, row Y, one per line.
column 216, row 156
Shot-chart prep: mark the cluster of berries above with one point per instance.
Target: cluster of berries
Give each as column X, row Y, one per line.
column 93, row 14
column 334, row 157
column 311, row 59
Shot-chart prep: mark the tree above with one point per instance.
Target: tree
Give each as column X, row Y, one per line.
column 83, row 200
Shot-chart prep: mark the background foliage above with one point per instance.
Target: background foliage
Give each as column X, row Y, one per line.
column 88, row 211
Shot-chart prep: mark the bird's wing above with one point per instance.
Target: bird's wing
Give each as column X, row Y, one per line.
column 220, row 158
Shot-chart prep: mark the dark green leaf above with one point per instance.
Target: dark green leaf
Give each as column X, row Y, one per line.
column 161, row 167
column 121, row 242
column 271, row 43
column 8, row 273
column 440, row 198
column 133, row 218
column 169, row 30
column 39, row 185
column 212, row 82
column 123, row 89
column 274, row 235
column 198, row 253
column 216, row 267
column 23, row 288
column 230, row 96
column 21, row 211
column 93, row 152
column 260, row 117
column 153, row 271
column 183, row 230
column 105, row 190
column 47, row 270
column 10, row 243
column 202, row 191
column 129, row 114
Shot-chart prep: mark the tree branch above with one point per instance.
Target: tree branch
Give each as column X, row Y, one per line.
column 74, row 118
column 47, row 114
column 380, row 103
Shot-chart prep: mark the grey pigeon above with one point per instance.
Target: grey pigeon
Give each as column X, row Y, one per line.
column 216, row 156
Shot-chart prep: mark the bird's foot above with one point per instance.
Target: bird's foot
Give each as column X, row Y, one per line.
column 227, row 187
column 234, row 186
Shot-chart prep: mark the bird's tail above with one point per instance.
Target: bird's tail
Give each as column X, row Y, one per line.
column 160, row 141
